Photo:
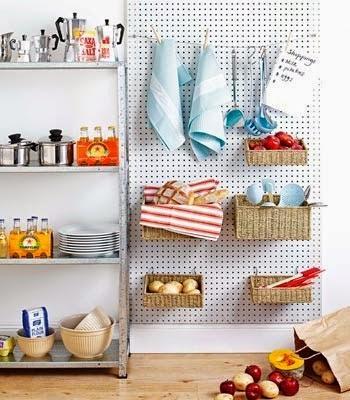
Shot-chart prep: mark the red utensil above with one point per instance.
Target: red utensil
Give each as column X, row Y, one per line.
column 307, row 274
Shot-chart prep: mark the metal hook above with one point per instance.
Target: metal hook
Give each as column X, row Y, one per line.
column 194, row 271
column 262, row 51
column 151, row 271
column 251, row 54
column 256, row 271
column 296, row 270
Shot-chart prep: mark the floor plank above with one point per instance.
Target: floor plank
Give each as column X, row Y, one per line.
column 151, row 377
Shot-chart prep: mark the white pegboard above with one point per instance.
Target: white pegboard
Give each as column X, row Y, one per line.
column 226, row 264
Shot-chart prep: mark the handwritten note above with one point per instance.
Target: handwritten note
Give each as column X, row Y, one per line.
column 291, row 83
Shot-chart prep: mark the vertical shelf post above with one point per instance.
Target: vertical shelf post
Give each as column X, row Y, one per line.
column 124, row 219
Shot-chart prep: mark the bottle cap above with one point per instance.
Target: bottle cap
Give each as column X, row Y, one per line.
column 84, row 128
column 97, row 127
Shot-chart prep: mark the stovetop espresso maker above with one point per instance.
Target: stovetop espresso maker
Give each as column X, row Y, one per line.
column 109, row 36
column 73, row 29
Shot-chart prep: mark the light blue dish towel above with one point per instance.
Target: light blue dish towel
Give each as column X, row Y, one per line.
column 206, row 126
column 164, row 102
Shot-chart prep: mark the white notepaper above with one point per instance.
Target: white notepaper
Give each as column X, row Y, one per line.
column 293, row 77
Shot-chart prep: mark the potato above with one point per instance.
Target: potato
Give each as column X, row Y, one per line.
column 319, row 367
column 169, row 289
column 223, row 396
column 154, row 286
column 242, row 380
column 190, row 283
column 176, row 284
column 194, row 291
column 328, row 377
column 269, row 389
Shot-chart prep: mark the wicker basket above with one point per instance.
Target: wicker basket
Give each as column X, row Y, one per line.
column 270, row 223
column 157, row 300
column 276, row 157
column 277, row 295
column 149, row 233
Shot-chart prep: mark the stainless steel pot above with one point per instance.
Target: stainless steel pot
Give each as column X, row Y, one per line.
column 5, row 49
column 17, row 152
column 56, row 150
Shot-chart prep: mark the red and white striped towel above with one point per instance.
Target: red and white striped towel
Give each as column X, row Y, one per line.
column 203, row 222
column 201, row 187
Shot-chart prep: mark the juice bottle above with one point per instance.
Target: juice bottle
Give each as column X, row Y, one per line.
column 113, row 145
column 45, row 239
column 35, row 223
column 82, row 146
column 29, row 243
column 14, row 239
column 3, row 240
column 97, row 150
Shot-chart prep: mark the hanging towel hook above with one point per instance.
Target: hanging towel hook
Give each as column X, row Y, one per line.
column 156, row 34
column 206, row 38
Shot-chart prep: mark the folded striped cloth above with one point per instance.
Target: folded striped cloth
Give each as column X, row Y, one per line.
column 204, row 222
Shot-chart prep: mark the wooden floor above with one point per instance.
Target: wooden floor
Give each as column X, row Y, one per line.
column 151, row 377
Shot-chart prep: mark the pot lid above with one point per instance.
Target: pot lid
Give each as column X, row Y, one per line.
column 16, row 140
column 56, row 138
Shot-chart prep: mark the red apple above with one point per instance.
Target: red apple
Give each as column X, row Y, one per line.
column 276, row 377
column 285, row 139
column 271, row 142
column 253, row 391
column 289, row 386
column 254, row 371
column 254, row 143
column 297, row 146
column 259, row 147
column 227, row 387
column 284, row 148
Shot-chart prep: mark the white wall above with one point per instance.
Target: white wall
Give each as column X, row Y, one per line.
column 336, row 154
column 32, row 102
column 27, row 104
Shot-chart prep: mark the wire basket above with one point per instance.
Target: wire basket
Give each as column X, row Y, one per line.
column 276, row 157
column 270, row 223
column 261, row 295
column 181, row 300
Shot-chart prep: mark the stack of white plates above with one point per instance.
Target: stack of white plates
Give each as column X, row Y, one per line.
column 101, row 240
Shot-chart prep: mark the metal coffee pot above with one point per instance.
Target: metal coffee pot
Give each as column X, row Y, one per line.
column 22, row 47
column 109, row 36
column 5, row 49
column 73, row 29
column 41, row 45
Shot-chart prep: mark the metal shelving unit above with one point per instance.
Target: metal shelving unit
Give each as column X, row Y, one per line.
column 65, row 169
column 117, row 354
column 60, row 358
column 59, row 65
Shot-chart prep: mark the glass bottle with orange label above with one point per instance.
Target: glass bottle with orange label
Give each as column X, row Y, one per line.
column 3, row 240
column 14, row 239
column 113, row 145
column 97, row 150
column 82, row 146
column 29, row 243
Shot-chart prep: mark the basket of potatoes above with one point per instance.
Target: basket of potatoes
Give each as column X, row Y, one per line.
column 173, row 291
